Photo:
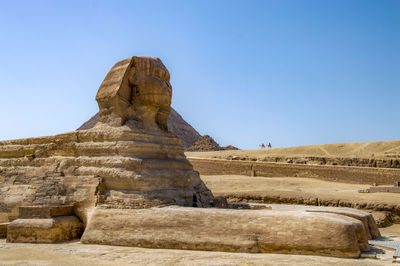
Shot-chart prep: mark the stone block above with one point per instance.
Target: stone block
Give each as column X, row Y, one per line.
column 230, row 230
column 31, row 212
column 49, row 230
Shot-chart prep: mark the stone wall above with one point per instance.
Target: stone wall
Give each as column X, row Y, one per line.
column 358, row 175
column 321, row 160
column 384, row 189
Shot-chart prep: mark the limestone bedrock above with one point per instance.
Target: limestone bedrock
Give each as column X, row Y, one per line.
column 120, row 175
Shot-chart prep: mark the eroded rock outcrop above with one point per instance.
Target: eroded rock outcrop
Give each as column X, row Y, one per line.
column 205, row 143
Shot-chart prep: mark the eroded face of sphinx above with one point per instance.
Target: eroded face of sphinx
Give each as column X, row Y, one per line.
column 150, row 83
column 136, row 92
column 151, row 91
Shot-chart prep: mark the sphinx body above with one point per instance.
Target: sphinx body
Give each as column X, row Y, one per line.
column 129, row 183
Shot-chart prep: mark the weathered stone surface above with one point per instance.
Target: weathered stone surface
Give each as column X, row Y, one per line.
column 136, row 92
column 288, row 231
column 176, row 124
column 49, row 230
column 382, row 218
column 371, row 229
column 31, row 212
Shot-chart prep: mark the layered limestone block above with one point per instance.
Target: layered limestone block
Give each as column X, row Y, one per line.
column 48, row 230
column 44, row 224
column 44, row 212
column 104, row 165
column 277, row 231
column 370, row 226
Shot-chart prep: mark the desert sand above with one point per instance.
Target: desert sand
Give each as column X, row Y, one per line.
column 231, row 185
column 75, row 253
column 380, row 149
column 385, row 207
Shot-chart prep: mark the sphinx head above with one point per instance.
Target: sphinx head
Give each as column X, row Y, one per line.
column 137, row 92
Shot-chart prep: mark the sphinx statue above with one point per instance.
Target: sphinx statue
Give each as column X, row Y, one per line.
column 128, row 159
column 136, row 92
column 126, row 181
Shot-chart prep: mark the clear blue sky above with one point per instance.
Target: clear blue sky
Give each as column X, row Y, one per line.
column 288, row 72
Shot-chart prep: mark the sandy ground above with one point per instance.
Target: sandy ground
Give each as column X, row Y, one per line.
column 74, row 253
column 222, row 185
column 380, row 149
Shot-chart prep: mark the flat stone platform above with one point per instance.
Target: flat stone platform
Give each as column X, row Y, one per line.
column 288, row 230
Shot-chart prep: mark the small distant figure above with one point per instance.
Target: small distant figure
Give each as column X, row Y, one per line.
column 262, row 146
column 269, row 145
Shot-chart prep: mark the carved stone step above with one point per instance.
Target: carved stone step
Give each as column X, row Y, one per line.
column 49, row 230
column 43, row 212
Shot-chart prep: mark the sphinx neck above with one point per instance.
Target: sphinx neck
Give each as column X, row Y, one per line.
column 147, row 116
